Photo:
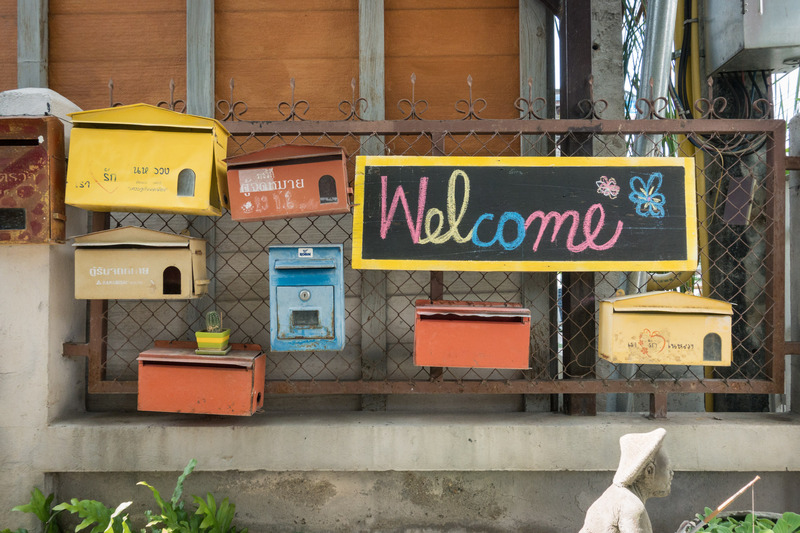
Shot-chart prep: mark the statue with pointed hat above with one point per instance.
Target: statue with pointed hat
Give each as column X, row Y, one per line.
column 644, row 472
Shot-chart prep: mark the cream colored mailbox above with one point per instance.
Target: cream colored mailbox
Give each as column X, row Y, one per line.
column 132, row 263
column 143, row 158
column 668, row 328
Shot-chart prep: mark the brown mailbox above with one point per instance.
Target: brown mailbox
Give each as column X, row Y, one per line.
column 32, row 174
column 288, row 181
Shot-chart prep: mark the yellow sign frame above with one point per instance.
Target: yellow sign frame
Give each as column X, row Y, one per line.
column 688, row 164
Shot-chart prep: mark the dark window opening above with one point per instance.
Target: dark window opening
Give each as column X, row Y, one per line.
column 172, row 280
column 712, row 347
column 327, row 190
column 305, row 319
column 186, row 182
column 12, row 218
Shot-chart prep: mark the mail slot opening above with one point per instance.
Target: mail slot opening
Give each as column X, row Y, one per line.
column 172, row 280
column 327, row 190
column 186, row 179
column 12, row 218
column 20, row 142
column 474, row 318
column 305, row 319
column 712, row 347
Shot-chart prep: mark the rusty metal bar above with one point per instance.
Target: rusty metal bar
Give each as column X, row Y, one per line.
column 593, row 386
column 775, row 249
column 502, row 126
column 658, row 405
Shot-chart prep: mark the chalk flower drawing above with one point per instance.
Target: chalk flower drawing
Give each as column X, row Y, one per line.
column 646, row 196
column 607, row 187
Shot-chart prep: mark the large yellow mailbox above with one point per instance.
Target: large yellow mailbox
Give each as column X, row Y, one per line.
column 668, row 328
column 144, row 158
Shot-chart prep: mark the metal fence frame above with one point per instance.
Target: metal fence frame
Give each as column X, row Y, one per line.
column 437, row 130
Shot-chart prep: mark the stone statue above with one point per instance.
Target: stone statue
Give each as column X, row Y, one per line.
column 644, row 472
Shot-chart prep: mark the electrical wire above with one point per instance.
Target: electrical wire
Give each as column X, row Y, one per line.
column 743, row 103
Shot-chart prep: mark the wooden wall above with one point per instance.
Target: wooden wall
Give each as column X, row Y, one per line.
column 140, row 45
column 262, row 44
column 443, row 42
column 8, row 51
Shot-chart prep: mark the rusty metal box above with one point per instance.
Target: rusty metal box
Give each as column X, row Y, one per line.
column 667, row 328
column 472, row 334
column 32, row 172
column 131, row 263
column 173, row 379
column 288, row 181
column 144, row 158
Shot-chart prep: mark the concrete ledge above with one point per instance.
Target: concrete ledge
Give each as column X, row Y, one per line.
column 722, row 442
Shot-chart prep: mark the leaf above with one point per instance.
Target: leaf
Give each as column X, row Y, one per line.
column 788, row 523
column 178, row 492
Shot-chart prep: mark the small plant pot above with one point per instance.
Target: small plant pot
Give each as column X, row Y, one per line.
column 213, row 342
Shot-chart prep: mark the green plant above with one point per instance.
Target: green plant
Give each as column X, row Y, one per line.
column 106, row 520
column 213, row 322
column 40, row 506
column 173, row 517
column 787, row 523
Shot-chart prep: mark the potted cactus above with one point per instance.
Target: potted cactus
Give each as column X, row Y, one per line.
column 214, row 340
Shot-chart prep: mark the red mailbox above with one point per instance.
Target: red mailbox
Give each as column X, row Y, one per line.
column 32, row 177
column 174, row 379
column 288, row 181
column 472, row 334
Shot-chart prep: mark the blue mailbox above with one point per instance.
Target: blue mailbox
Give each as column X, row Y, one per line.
column 306, row 292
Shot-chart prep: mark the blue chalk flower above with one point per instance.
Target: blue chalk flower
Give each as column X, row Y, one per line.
column 646, row 197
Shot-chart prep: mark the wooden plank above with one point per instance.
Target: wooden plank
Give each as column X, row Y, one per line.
column 8, row 53
column 80, row 68
column 32, row 38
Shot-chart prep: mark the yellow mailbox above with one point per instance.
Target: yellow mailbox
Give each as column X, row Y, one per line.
column 144, row 158
column 667, row 328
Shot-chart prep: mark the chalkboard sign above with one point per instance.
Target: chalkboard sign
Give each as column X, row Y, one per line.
column 524, row 213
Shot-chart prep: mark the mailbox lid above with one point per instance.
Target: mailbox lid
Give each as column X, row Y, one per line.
column 668, row 302
column 151, row 173
column 288, row 181
column 287, row 152
column 32, row 177
column 488, row 310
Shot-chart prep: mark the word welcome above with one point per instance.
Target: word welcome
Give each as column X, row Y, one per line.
column 591, row 223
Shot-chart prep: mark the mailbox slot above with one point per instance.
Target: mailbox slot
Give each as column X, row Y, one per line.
column 32, row 174
column 664, row 327
column 306, row 298
column 472, row 334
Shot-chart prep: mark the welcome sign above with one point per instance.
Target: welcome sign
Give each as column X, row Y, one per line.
column 524, row 213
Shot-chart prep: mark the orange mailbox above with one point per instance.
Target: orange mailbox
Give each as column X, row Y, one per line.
column 288, row 181
column 472, row 334
column 173, row 379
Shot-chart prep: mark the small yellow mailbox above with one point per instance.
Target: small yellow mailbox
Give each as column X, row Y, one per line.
column 143, row 158
column 667, row 328
column 130, row 263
